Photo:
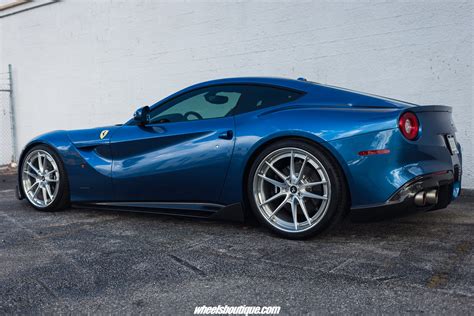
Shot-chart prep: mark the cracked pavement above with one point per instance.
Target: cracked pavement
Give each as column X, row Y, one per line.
column 94, row 261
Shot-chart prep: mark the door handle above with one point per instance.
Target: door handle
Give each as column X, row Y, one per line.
column 227, row 135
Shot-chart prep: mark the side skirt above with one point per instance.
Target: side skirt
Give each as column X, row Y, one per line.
column 233, row 212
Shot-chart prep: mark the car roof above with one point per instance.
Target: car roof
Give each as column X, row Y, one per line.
column 276, row 81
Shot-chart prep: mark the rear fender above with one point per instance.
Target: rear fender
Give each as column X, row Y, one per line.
column 255, row 130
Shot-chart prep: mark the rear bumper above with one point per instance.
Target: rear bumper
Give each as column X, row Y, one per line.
column 446, row 184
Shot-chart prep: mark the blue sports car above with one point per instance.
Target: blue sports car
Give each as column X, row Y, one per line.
column 296, row 154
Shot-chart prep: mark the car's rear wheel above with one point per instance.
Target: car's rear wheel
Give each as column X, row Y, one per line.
column 296, row 189
column 44, row 180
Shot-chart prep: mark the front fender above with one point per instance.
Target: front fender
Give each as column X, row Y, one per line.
column 88, row 179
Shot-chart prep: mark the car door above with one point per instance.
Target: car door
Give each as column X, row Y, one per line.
column 182, row 155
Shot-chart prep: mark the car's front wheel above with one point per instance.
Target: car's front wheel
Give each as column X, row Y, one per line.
column 296, row 189
column 44, row 180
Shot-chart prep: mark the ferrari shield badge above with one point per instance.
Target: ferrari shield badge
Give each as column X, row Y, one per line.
column 104, row 133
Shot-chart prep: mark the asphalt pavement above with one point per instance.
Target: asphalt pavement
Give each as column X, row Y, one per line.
column 93, row 261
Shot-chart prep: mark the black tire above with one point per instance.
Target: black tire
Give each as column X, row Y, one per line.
column 338, row 202
column 61, row 200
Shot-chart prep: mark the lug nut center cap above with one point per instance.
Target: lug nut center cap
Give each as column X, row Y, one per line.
column 293, row 189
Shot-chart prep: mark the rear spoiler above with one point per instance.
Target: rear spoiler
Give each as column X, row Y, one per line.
column 431, row 108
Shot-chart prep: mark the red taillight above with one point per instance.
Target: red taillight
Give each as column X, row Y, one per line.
column 409, row 125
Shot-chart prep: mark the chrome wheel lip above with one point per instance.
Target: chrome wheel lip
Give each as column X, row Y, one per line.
column 289, row 196
column 40, row 179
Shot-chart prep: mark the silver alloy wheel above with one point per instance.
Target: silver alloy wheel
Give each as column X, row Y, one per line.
column 40, row 178
column 292, row 189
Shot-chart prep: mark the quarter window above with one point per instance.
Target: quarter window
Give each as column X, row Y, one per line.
column 256, row 97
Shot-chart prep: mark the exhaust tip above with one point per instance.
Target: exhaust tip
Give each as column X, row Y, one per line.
column 431, row 197
column 420, row 199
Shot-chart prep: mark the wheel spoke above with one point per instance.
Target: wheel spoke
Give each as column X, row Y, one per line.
column 294, row 213
column 40, row 165
column 33, row 167
column 280, row 206
column 49, row 172
column 32, row 175
column 274, row 182
column 31, row 188
column 45, row 196
column 313, row 196
column 300, row 174
column 36, row 191
column 292, row 167
column 311, row 184
column 51, row 180
column 45, row 160
column 273, row 198
column 48, row 190
column 305, row 212
column 281, row 175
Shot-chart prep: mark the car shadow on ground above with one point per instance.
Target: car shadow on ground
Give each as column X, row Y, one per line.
column 364, row 224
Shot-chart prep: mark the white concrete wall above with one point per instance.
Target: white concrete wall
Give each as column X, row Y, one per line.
column 6, row 148
column 86, row 63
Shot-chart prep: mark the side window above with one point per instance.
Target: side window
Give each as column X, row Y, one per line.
column 206, row 103
column 259, row 97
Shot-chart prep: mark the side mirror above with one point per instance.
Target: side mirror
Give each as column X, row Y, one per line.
column 142, row 115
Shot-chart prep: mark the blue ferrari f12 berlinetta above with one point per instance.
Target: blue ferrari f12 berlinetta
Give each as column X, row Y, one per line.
column 295, row 154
